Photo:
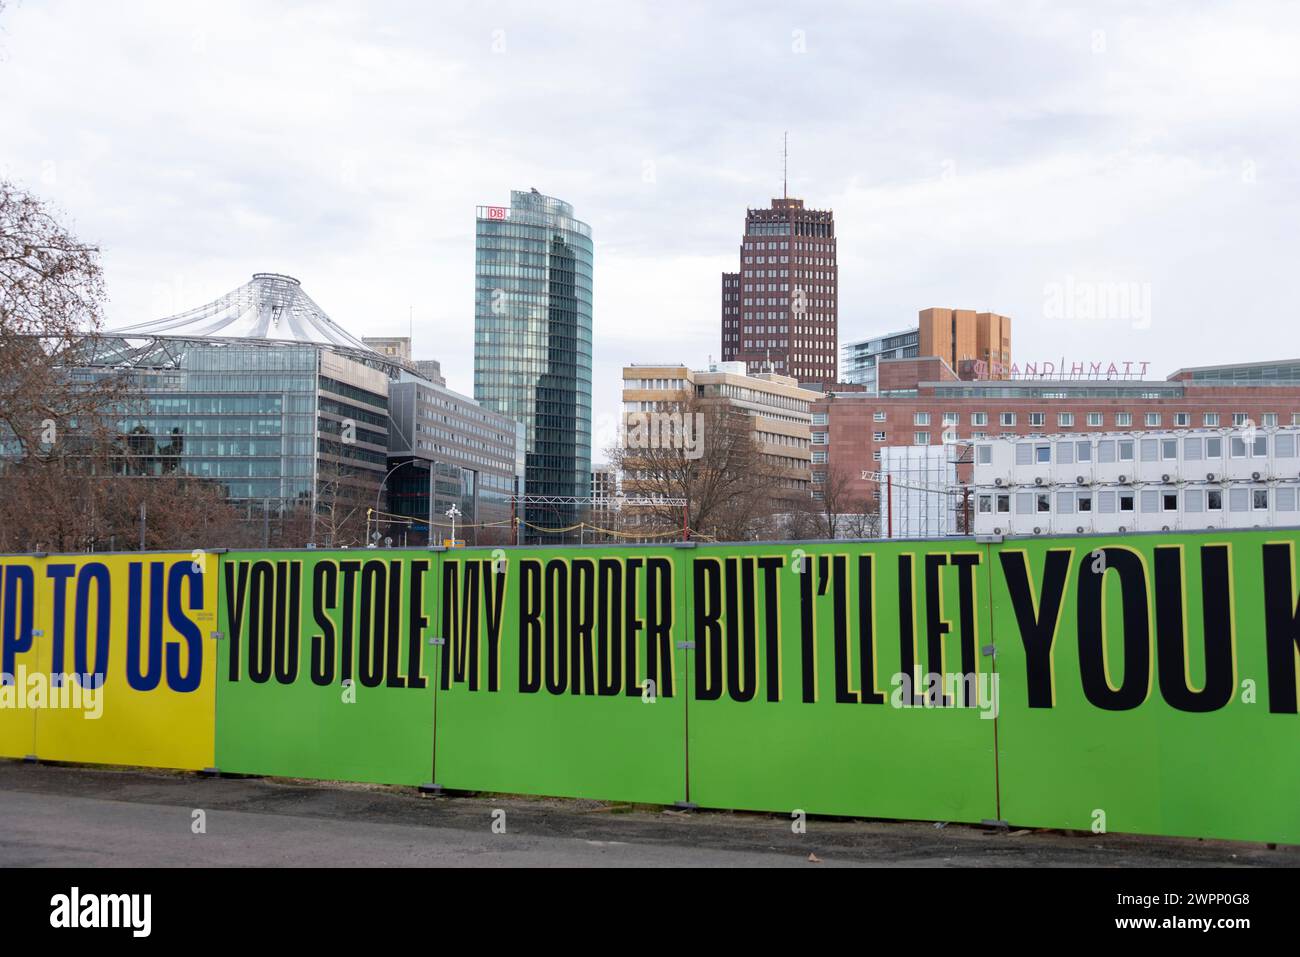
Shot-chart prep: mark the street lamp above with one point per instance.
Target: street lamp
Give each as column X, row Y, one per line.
column 453, row 513
column 380, row 492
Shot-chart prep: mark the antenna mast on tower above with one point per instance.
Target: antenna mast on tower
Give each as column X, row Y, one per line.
column 785, row 166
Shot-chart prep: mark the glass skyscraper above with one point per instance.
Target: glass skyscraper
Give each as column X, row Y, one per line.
column 532, row 343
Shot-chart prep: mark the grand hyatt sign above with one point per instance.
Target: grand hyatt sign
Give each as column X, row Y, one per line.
column 1056, row 369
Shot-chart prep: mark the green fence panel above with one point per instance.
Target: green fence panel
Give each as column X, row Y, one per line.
column 325, row 668
column 561, row 673
column 798, row 697
column 1149, row 683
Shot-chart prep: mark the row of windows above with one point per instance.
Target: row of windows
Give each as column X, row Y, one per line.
column 1147, row 501
column 1194, row 449
column 1150, row 420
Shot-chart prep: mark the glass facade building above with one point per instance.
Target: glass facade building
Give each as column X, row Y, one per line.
column 266, row 421
column 473, row 454
column 859, row 359
column 532, row 341
column 258, row 391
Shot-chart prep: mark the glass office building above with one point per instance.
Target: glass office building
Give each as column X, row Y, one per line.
column 532, row 343
column 259, row 391
column 473, row 453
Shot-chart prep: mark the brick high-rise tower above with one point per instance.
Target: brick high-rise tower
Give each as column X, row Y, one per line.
column 780, row 311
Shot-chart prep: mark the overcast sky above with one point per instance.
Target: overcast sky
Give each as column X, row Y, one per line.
column 1013, row 157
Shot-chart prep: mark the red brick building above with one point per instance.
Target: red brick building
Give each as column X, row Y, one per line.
column 780, row 311
column 921, row 400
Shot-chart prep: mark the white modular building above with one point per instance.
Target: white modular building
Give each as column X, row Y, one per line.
column 1137, row 481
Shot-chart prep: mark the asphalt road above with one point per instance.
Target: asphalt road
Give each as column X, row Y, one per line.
column 77, row 816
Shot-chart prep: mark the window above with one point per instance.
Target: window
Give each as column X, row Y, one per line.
column 1214, row 448
column 1210, row 419
column 878, row 436
column 979, row 435
column 1037, row 419
column 1083, row 451
column 1065, row 453
column 819, row 458
column 1192, row 451
column 1106, row 503
column 1004, row 502
column 921, row 418
column 1126, row 501
column 879, row 417
column 1044, row 502
column 1270, row 420
column 1259, row 499
column 920, row 438
column 1182, row 419
column 986, row 504
column 1169, row 501
column 1152, row 420
column 1084, row 501
column 1065, row 503
column 1261, row 447
column 1123, row 419
column 1284, row 445
column 1126, row 450
column 1238, row 500
column 1024, row 453
column 983, row 455
column 1149, row 500
column 951, row 418
column 1286, row 498
column 1094, row 419
column 1043, row 454
column 1169, row 450
column 1150, row 450
column 1194, row 500
column 819, row 418
column 1024, row 503
column 1239, row 419
column 819, row 438
column 1214, row 500
column 875, row 456
column 979, row 418
column 1065, row 420
column 1106, row 451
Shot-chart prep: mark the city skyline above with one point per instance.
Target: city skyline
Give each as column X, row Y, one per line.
column 1148, row 150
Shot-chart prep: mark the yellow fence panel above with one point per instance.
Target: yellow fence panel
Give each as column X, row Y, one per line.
column 129, row 654
column 19, row 652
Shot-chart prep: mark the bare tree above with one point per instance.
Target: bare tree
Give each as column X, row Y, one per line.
column 863, row 521
column 51, row 299
column 837, row 498
column 342, row 497
column 722, row 473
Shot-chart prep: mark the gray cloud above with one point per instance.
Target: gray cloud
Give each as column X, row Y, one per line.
column 974, row 153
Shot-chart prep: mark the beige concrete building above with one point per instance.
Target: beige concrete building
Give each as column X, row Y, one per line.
column 780, row 411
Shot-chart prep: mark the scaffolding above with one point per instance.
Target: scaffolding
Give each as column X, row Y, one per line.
column 920, row 492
